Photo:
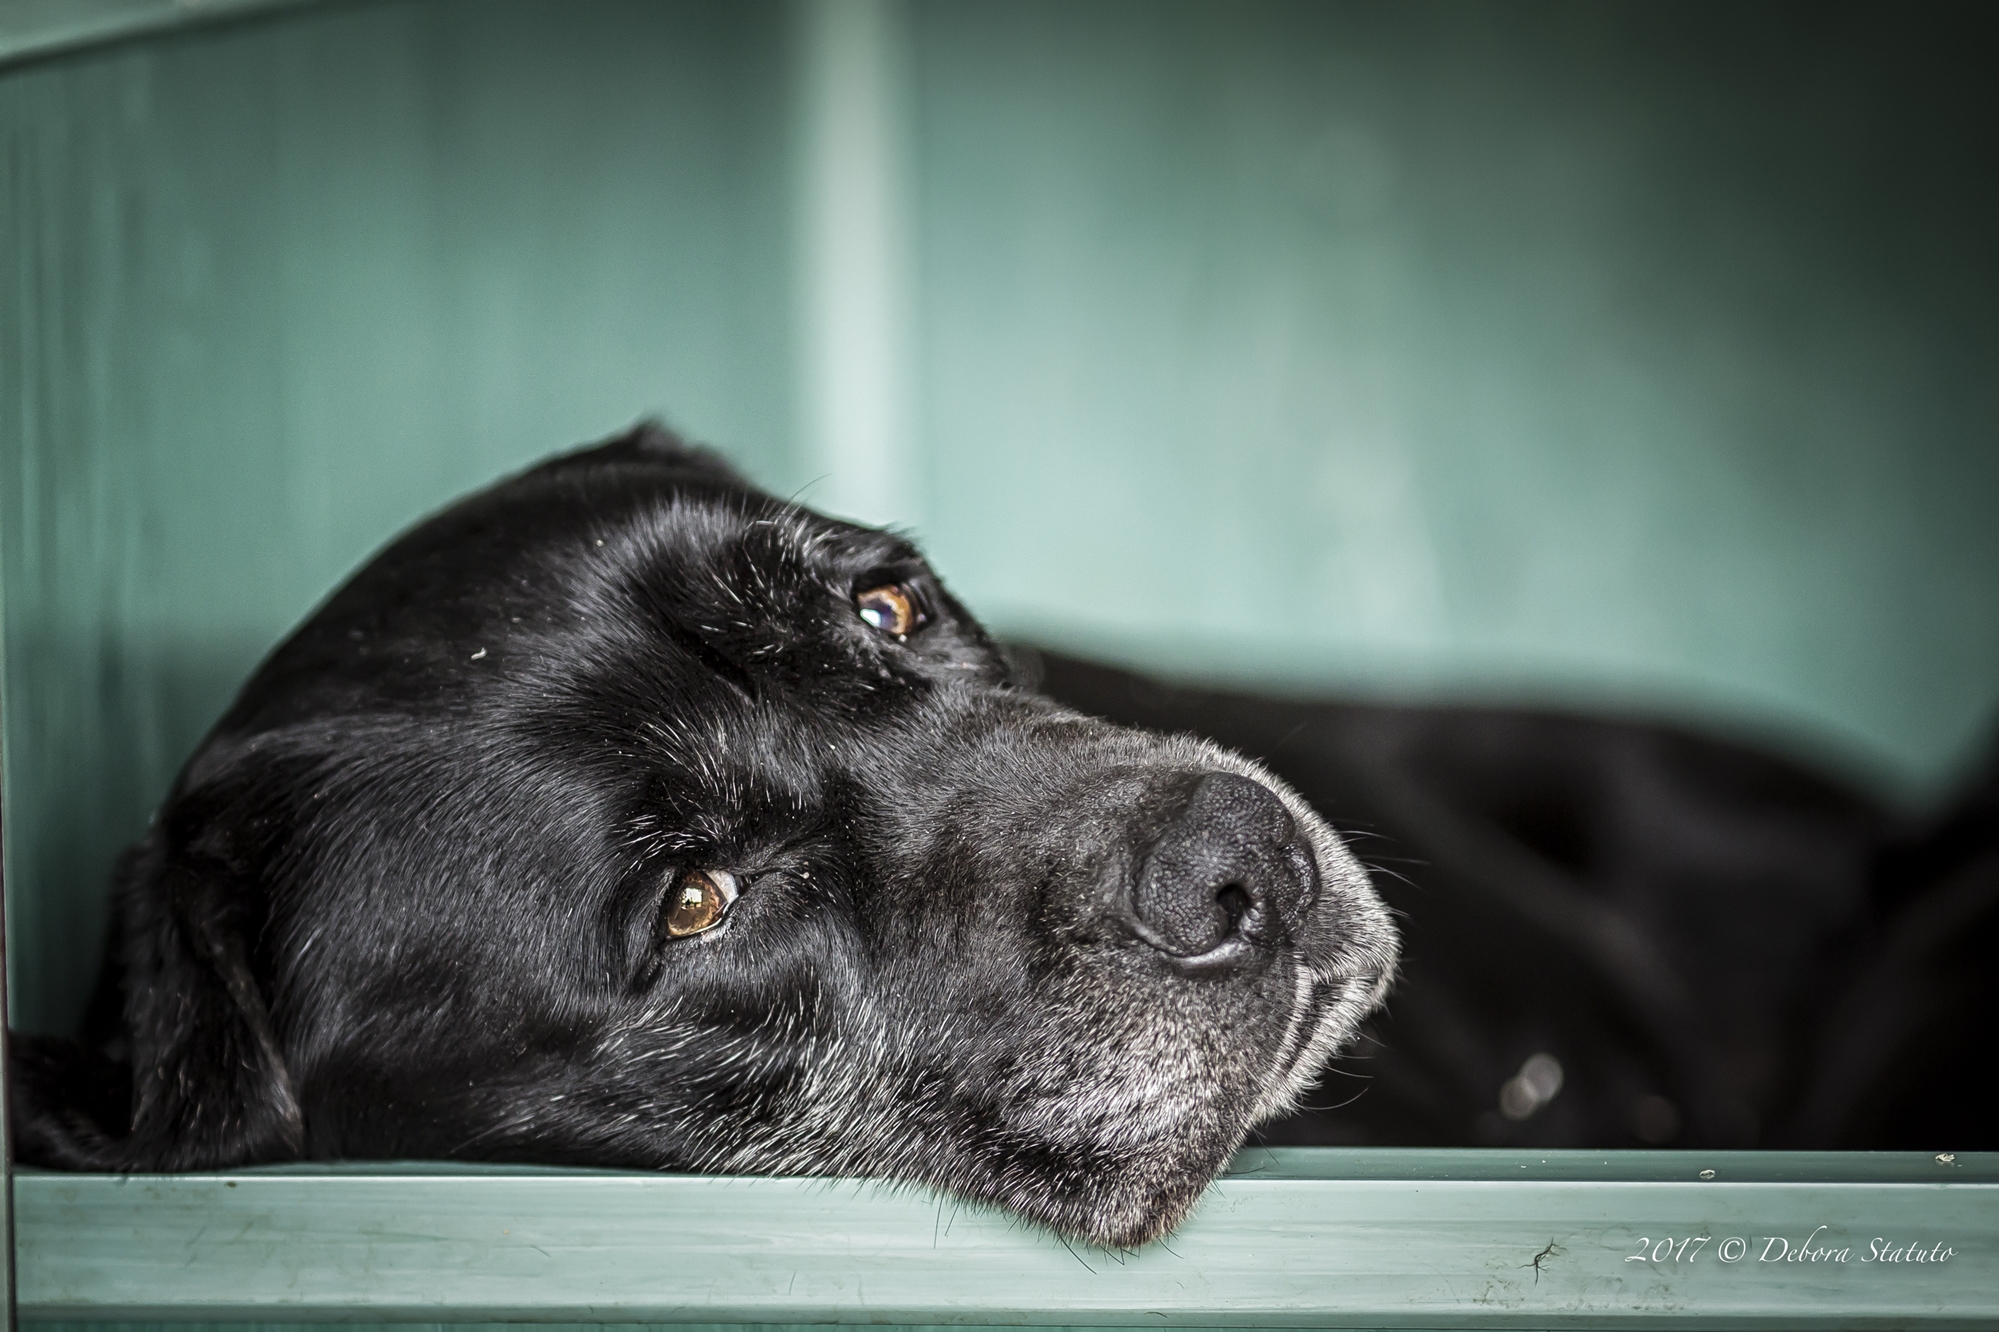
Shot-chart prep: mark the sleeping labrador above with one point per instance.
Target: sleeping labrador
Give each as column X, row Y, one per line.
column 625, row 815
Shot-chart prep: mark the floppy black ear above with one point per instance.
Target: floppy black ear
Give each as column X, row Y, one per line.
column 67, row 1104
column 207, row 1084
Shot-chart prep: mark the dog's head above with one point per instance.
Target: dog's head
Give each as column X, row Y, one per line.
column 625, row 815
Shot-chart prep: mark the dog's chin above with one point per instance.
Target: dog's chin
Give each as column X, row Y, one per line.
column 1140, row 1187
column 1128, row 1208
column 1132, row 1193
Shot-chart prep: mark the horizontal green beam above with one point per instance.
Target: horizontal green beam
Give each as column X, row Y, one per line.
column 1298, row 1238
column 37, row 29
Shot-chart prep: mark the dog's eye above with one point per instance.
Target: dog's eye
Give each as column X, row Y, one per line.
column 891, row 608
column 699, row 900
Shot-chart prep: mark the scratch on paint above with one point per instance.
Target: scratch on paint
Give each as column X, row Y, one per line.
column 1552, row 1251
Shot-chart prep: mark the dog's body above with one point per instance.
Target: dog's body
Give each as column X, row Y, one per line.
column 1719, row 947
column 625, row 815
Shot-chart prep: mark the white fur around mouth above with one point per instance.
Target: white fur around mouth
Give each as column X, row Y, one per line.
column 1329, row 1001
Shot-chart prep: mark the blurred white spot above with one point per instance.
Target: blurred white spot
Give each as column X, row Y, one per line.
column 1536, row 1084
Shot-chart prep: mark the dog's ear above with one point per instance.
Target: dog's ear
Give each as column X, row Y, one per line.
column 651, row 445
column 209, row 1083
column 67, row 1104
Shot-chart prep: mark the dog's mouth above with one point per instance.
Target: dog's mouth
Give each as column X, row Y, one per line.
column 1269, row 945
column 1265, row 941
column 1327, row 1011
column 1346, row 964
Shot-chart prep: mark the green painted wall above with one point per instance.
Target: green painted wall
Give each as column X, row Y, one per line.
column 1640, row 354
column 1636, row 353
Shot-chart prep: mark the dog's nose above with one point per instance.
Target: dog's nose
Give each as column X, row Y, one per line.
column 1231, row 866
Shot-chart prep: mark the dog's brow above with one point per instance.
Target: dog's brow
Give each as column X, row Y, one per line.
column 797, row 530
column 813, row 541
column 701, row 650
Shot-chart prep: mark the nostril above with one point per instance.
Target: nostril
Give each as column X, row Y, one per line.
column 1235, row 902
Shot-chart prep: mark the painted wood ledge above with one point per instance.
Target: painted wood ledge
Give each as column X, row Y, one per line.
column 1290, row 1238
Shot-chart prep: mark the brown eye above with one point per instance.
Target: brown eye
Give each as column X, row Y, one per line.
column 699, row 900
column 891, row 608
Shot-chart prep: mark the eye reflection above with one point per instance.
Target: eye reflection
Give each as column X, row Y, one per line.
column 698, row 902
column 890, row 608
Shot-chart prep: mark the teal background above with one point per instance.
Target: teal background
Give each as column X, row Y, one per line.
column 1638, row 355
column 1627, row 356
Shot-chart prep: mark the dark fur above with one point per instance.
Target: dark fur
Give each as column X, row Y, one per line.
column 1681, row 920
column 405, row 901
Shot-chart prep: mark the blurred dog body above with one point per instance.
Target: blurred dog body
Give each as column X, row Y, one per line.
column 1624, row 934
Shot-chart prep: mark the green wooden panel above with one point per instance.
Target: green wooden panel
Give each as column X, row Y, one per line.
column 1297, row 1238
column 272, row 290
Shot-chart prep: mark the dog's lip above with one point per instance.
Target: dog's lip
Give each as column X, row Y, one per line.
column 1233, row 952
column 1320, row 985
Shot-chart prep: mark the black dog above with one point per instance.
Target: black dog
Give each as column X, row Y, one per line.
column 625, row 815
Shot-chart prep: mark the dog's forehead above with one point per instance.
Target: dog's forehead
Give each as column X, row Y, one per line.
column 713, row 631
column 674, row 659
column 561, row 535
column 738, row 545
column 627, row 578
